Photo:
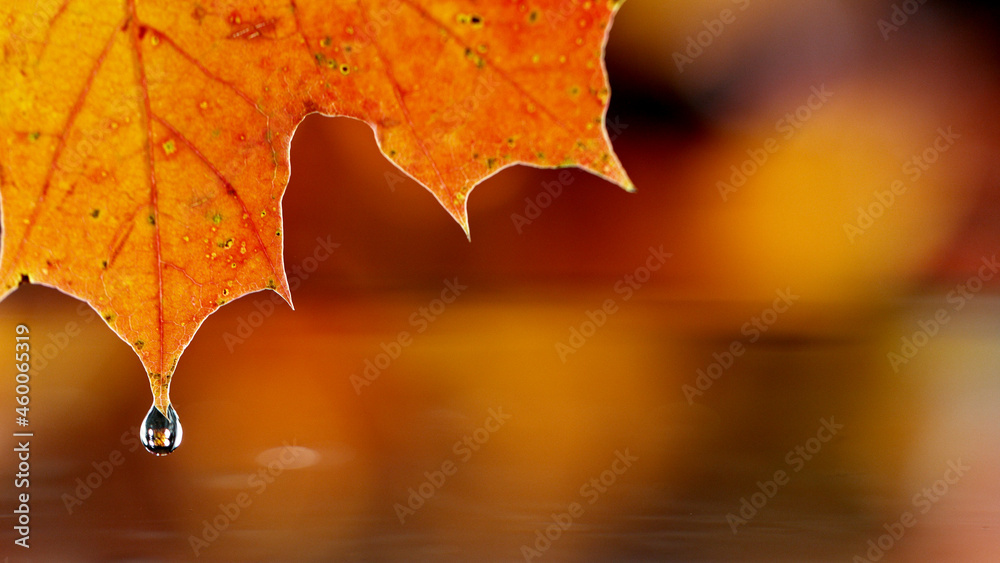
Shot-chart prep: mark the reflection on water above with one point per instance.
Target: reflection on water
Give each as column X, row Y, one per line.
column 479, row 443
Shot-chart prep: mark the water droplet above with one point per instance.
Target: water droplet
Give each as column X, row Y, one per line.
column 161, row 434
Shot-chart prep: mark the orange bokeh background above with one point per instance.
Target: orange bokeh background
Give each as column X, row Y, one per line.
column 259, row 376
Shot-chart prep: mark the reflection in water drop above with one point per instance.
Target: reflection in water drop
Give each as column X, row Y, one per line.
column 161, row 434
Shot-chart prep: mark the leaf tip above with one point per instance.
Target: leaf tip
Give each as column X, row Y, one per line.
column 457, row 207
column 286, row 293
column 281, row 288
column 615, row 172
column 461, row 215
column 626, row 183
column 612, row 171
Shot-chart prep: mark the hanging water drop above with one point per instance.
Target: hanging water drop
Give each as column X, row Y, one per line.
column 161, row 434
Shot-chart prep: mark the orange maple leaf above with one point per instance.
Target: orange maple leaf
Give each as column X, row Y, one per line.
column 144, row 146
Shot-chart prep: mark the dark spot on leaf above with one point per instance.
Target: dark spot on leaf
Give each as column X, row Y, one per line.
column 479, row 62
column 104, row 264
column 139, row 344
column 151, row 219
column 34, row 135
column 230, row 190
column 142, row 31
column 271, row 285
column 95, row 213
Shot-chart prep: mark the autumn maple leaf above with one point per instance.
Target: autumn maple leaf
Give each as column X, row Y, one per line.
column 144, row 145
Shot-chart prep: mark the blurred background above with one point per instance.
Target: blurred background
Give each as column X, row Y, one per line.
column 783, row 347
